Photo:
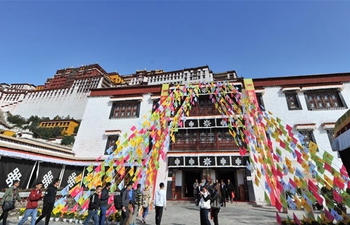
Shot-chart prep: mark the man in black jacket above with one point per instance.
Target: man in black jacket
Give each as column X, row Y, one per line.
column 104, row 202
column 230, row 190
column 49, row 201
column 125, row 202
column 223, row 193
column 94, row 205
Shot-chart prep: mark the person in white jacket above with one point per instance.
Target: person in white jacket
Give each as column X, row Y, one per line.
column 204, row 205
column 160, row 203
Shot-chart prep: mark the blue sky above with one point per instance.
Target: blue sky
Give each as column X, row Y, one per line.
column 255, row 38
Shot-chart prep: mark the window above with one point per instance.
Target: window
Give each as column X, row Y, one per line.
column 293, row 101
column 128, row 109
column 308, row 136
column 260, row 101
column 111, row 143
column 325, row 99
column 330, row 133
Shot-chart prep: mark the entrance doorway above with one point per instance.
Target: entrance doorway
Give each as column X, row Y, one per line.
column 189, row 178
column 225, row 175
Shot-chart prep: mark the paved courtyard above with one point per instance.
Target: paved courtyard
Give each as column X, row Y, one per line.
column 185, row 213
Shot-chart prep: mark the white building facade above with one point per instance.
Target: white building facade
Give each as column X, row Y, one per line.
column 311, row 104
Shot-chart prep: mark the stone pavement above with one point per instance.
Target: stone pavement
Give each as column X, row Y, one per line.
column 186, row 213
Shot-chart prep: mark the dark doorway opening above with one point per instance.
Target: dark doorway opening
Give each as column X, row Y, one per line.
column 189, row 179
column 225, row 175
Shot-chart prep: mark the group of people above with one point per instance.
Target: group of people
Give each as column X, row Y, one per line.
column 210, row 197
column 227, row 190
column 133, row 202
column 11, row 195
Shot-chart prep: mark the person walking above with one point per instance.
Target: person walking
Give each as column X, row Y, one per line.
column 230, row 190
column 195, row 190
column 125, row 203
column 204, row 205
column 49, row 201
column 146, row 199
column 132, row 206
column 160, row 203
column 215, row 204
column 32, row 204
column 223, row 190
column 94, row 206
column 138, row 197
column 104, row 203
column 8, row 200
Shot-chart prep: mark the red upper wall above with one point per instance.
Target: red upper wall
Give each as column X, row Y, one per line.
column 127, row 90
column 303, row 80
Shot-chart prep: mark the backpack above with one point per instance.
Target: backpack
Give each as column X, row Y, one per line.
column 118, row 202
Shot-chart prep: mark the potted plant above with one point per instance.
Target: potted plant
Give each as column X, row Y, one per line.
column 118, row 217
column 57, row 216
column 76, row 218
column 21, row 213
column 64, row 217
column 82, row 218
column 70, row 217
column 110, row 219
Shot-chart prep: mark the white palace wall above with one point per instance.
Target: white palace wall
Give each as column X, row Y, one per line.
column 91, row 139
column 50, row 104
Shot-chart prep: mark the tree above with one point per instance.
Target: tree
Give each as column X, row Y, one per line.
column 67, row 140
column 17, row 120
column 33, row 122
column 46, row 133
column 76, row 128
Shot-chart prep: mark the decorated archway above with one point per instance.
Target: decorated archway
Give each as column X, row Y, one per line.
column 286, row 172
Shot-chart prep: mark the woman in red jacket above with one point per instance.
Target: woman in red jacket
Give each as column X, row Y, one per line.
column 32, row 205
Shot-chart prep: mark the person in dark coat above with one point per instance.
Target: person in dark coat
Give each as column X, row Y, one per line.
column 49, row 201
column 94, row 206
column 125, row 202
column 11, row 194
column 216, row 203
column 223, row 190
column 104, row 203
column 230, row 190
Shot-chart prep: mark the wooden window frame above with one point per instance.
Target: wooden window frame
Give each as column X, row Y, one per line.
column 324, row 98
column 197, row 140
column 312, row 137
column 125, row 110
column 110, row 140
column 295, row 95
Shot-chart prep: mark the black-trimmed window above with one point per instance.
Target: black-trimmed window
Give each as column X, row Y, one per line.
column 330, row 134
column 260, row 101
column 293, row 101
column 111, row 142
column 127, row 109
column 308, row 136
column 324, row 99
